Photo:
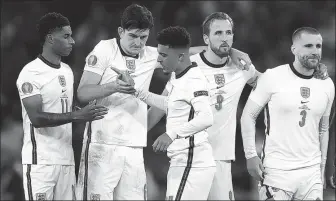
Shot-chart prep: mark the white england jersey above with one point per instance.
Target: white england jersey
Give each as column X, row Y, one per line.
column 295, row 105
column 226, row 83
column 48, row 145
column 126, row 121
column 195, row 150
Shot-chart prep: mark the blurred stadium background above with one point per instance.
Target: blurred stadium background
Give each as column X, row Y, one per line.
column 263, row 29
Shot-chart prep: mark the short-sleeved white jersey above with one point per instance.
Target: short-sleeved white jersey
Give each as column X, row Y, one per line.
column 48, row 145
column 126, row 121
column 183, row 89
column 226, row 83
column 294, row 106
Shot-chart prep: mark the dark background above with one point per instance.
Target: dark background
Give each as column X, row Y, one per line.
column 263, row 29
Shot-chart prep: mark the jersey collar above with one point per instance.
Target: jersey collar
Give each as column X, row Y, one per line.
column 124, row 53
column 48, row 62
column 193, row 64
column 299, row 74
column 211, row 64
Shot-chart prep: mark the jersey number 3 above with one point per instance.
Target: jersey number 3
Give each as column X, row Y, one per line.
column 303, row 113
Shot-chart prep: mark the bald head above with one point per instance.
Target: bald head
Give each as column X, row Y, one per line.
column 303, row 30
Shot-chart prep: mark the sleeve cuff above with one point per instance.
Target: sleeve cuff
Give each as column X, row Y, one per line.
column 94, row 70
column 250, row 155
column 172, row 135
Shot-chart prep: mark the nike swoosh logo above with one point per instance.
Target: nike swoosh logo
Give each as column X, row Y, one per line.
column 63, row 90
column 304, row 102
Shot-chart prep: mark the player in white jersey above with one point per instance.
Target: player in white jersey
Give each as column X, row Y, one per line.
column 112, row 165
column 192, row 166
column 45, row 87
column 297, row 109
column 226, row 81
column 114, row 134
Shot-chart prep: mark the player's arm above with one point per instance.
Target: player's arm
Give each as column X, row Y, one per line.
column 248, row 120
column 38, row 118
column 258, row 98
column 152, row 99
column 324, row 140
column 324, row 131
column 89, row 88
column 96, row 64
column 154, row 114
column 203, row 117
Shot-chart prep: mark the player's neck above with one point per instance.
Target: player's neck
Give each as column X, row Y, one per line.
column 214, row 58
column 51, row 56
column 302, row 70
column 183, row 67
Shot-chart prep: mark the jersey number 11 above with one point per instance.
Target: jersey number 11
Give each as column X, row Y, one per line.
column 65, row 105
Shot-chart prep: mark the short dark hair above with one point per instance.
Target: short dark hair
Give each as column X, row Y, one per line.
column 137, row 17
column 49, row 22
column 298, row 32
column 215, row 16
column 174, row 37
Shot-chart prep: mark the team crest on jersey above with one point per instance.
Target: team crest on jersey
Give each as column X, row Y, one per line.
column 130, row 64
column 41, row 196
column 305, row 92
column 219, row 79
column 94, row 197
column 27, row 88
column 61, row 80
column 92, row 60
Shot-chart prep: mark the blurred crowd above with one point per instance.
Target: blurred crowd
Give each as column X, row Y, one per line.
column 262, row 29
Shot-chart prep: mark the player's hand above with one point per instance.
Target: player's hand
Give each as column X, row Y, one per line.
column 332, row 181
column 124, row 76
column 122, row 87
column 255, row 168
column 162, row 143
column 241, row 59
column 321, row 72
column 90, row 112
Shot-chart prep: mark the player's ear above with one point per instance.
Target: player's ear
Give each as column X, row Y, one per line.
column 49, row 39
column 293, row 49
column 206, row 39
column 121, row 31
column 181, row 57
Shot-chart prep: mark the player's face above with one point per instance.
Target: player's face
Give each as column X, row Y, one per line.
column 133, row 40
column 309, row 50
column 220, row 37
column 168, row 58
column 62, row 41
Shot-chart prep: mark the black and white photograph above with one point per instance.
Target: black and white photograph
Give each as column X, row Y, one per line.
column 167, row 100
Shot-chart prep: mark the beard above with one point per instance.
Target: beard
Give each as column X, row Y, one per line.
column 219, row 52
column 304, row 60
